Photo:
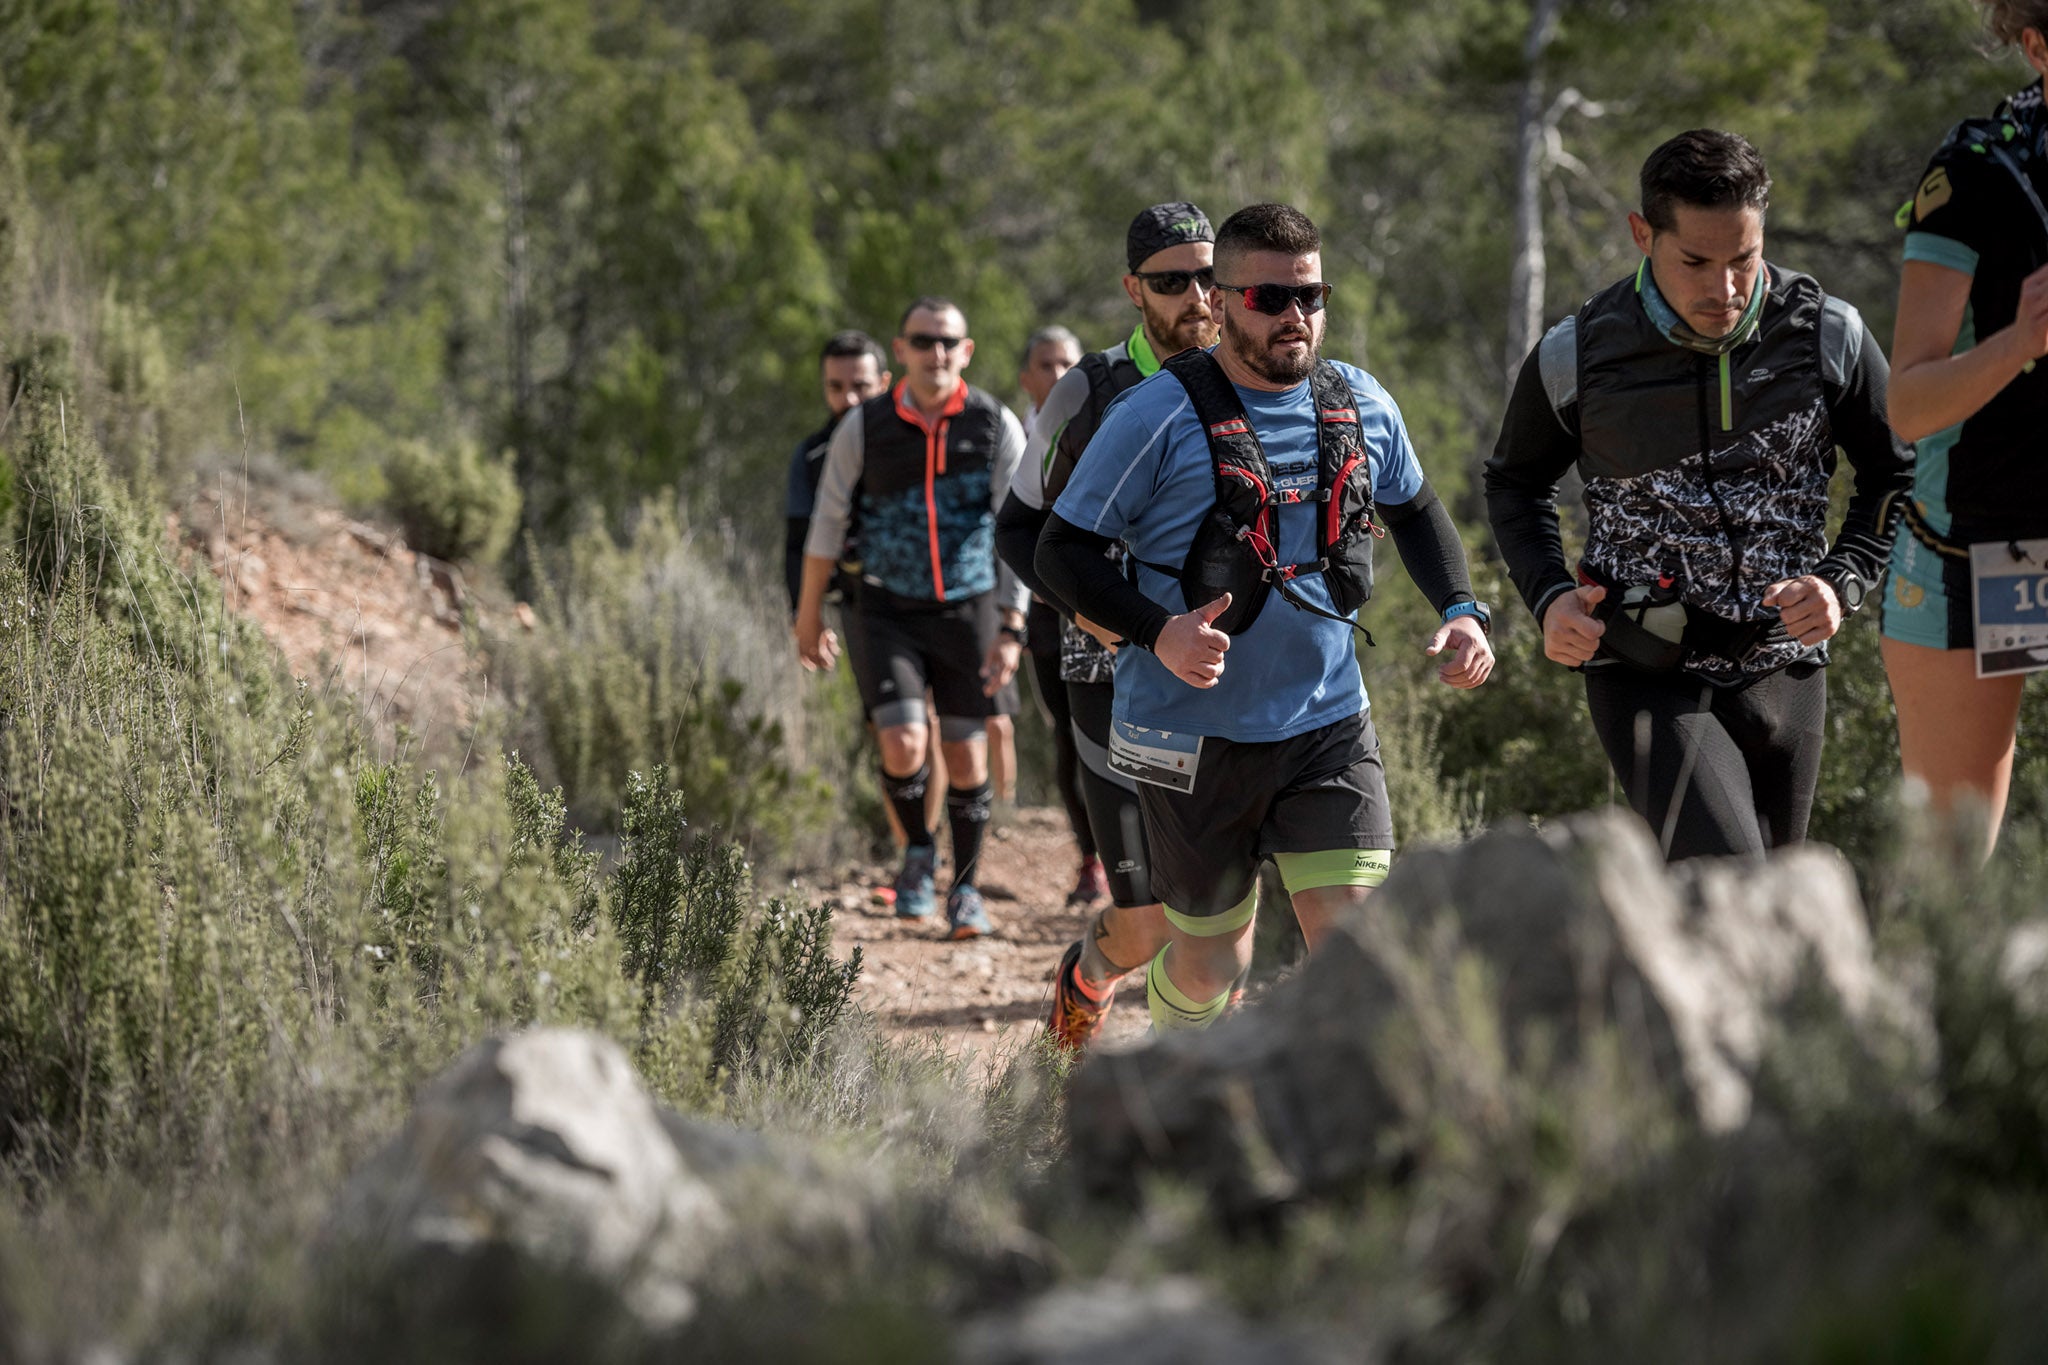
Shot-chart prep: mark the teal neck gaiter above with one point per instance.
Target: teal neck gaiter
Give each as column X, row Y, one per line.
column 1665, row 318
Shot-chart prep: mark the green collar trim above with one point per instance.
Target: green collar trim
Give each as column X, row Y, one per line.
column 1141, row 352
column 1665, row 318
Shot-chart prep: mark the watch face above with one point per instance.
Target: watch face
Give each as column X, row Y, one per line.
column 1850, row 590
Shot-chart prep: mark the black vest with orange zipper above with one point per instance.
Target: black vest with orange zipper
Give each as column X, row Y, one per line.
column 926, row 516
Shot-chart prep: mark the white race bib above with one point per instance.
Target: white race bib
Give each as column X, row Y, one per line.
column 1160, row 757
column 2009, row 600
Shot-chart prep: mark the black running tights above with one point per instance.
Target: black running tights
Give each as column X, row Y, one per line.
column 1714, row 770
column 1044, row 632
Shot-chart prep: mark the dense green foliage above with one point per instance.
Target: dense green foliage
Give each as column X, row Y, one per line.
column 611, row 236
column 225, row 917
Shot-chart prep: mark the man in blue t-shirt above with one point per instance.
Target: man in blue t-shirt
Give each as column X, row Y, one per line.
column 1273, row 755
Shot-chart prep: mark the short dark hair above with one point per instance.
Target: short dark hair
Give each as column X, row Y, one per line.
column 850, row 344
column 1055, row 332
column 931, row 303
column 1705, row 169
column 2008, row 19
column 1267, row 227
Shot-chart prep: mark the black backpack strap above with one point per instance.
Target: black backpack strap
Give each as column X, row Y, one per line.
column 1340, row 448
column 1232, row 442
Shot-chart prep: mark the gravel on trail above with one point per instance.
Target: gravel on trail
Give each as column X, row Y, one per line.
column 988, row 996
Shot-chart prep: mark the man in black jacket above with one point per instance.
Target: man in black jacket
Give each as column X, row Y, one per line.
column 1703, row 399
column 1169, row 255
column 851, row 370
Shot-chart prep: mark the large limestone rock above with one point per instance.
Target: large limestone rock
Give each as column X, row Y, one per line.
column 542, row 1147
column 1582, row 931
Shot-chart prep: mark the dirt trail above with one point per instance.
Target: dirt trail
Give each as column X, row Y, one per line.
column 990, row 995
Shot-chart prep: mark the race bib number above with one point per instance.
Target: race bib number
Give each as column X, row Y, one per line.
column 1160, row 757
column 2009, row 596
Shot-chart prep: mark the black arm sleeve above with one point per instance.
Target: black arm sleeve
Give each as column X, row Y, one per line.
column 793, row 558
column 1538, row 445
column 1017, row 530
column 1074, row 564
column 1427, row 540
column 1883, row 465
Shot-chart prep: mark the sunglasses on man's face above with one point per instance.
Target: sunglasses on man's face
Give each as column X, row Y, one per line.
column 1274, row 299
column 924, row 341
column 1176, row 281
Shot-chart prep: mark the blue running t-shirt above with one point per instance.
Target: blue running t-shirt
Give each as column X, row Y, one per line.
column 1145, row 479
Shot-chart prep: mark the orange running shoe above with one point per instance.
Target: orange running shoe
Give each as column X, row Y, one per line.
column 1076, row 1017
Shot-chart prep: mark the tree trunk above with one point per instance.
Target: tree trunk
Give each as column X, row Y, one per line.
column 510, row 113
column 1526, row 277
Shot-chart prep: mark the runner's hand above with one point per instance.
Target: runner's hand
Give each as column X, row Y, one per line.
column 1000, row 666
column 1471, row 652
column 1103, row 634
column 1570, row 634
column 1191, row 648
column 1808, row 607
column 816, row 645
column 2030, row 322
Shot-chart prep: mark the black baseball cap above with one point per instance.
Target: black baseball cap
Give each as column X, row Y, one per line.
column 1162, row 226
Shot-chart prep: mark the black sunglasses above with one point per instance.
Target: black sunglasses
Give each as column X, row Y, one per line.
column 1176, row 281
column 1273, row 299
column 924, row 341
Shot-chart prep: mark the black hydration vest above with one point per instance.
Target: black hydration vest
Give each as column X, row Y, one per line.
column 1236, row 549
column 1107, row 379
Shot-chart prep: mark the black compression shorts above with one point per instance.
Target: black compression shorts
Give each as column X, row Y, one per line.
column 1311, row 793
column 910, row 646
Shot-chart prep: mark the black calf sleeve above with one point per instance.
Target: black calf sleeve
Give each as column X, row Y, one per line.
column 906, row 794
column 967, row 811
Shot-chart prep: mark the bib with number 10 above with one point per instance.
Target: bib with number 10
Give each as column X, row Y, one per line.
column 2009, row 598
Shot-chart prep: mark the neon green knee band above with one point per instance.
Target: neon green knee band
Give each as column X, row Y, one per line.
column 1334, row 867
column 1215, row 926
column 1171, row 1008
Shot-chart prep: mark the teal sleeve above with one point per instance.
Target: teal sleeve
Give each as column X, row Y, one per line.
column 1944, row 251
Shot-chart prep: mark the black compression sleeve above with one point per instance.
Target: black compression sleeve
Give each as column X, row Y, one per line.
column 1430, row 550
column 1017, row 529
column 1537, row 447
column 1883, row 465
column 793, row 558
column 1074, row 565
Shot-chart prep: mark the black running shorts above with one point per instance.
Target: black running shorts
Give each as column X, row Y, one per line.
column 910, row 646
column 1311, row 793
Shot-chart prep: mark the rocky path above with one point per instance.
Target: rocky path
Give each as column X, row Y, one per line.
column 988, row 996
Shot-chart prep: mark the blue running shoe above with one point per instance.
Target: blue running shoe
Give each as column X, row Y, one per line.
column 966, row 912
column 914, row 893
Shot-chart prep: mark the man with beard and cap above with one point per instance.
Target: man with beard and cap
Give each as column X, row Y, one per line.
column 1168, row 250
column 926, row 466
column 1235, row 479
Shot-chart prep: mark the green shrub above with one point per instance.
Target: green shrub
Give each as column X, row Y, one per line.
column 452, row 503
column 658, row 653
column 135, row 370
column 686, row 922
